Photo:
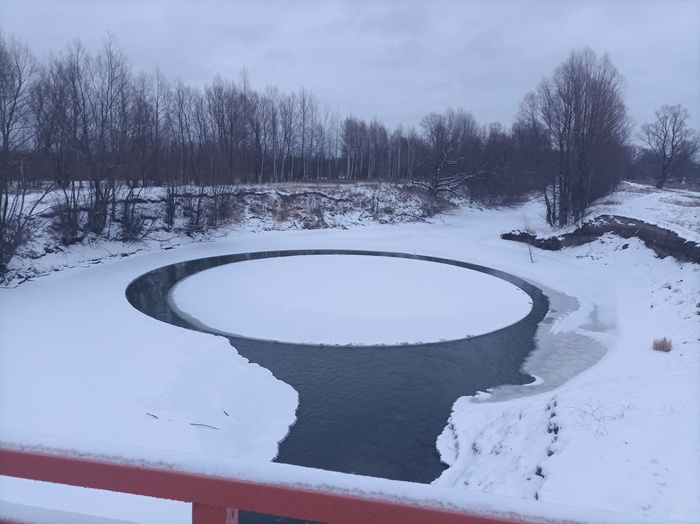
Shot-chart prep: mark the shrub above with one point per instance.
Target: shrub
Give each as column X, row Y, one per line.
column 662, row 344
column 132, row 222
column 283, row 211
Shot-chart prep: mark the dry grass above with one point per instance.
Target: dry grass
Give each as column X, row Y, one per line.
column 662, row 344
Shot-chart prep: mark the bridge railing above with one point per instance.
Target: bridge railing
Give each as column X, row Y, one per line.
column 218, row 490
column 217, row 499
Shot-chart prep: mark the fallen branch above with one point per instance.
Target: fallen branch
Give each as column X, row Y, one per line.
column 202, row 425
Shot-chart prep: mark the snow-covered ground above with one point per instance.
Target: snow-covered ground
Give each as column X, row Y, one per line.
column 609, row 425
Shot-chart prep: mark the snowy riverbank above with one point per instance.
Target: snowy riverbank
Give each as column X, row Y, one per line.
column 76, row 361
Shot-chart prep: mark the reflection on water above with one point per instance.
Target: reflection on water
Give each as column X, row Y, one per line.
column 368, row 410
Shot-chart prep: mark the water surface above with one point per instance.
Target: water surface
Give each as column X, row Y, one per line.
column 369, row 410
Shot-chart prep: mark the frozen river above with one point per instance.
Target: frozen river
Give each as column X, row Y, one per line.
column 376, row 407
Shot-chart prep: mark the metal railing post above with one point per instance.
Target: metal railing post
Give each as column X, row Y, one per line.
column 204, row 514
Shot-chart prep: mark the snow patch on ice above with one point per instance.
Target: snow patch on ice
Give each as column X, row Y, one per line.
column 349, row 299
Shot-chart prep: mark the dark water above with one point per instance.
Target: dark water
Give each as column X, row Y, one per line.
column 368, row 410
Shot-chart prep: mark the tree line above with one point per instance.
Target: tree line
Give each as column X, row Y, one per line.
column 83, row 116
column 86, row 124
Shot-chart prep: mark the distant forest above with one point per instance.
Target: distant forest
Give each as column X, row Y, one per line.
column 86, row 123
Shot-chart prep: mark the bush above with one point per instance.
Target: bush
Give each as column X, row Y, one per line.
column 662, row 344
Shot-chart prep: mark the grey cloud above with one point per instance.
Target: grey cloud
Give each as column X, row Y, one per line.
column 396, row 60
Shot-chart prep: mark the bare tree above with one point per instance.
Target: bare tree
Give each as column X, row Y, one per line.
column 18, row 73
column 148, row 128
column 258, row 116
column 450, row 138
column 671, row 140
column 224, row 112
column 378, row 149
column 331, row 140
column 18, row 70
column 287, row 108
column 307, row 114
column 533, row 157
column 55, row 116
column 93, row 97
column 142, row 115
column 354, row 139
column 181, row 123
column 272, row 127
column 582, row 109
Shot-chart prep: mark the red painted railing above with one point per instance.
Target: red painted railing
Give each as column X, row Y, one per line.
column 217, row 500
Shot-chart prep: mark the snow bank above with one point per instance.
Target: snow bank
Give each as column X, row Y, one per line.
column 77, row 361
column 672, row 209
column 625, row 434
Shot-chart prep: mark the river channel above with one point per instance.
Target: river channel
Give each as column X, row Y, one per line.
column 369, row 410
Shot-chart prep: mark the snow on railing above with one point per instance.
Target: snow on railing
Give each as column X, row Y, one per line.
column 219, row 487
column 218, row 499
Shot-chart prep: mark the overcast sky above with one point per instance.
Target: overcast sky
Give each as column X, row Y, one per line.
column 394, row 60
